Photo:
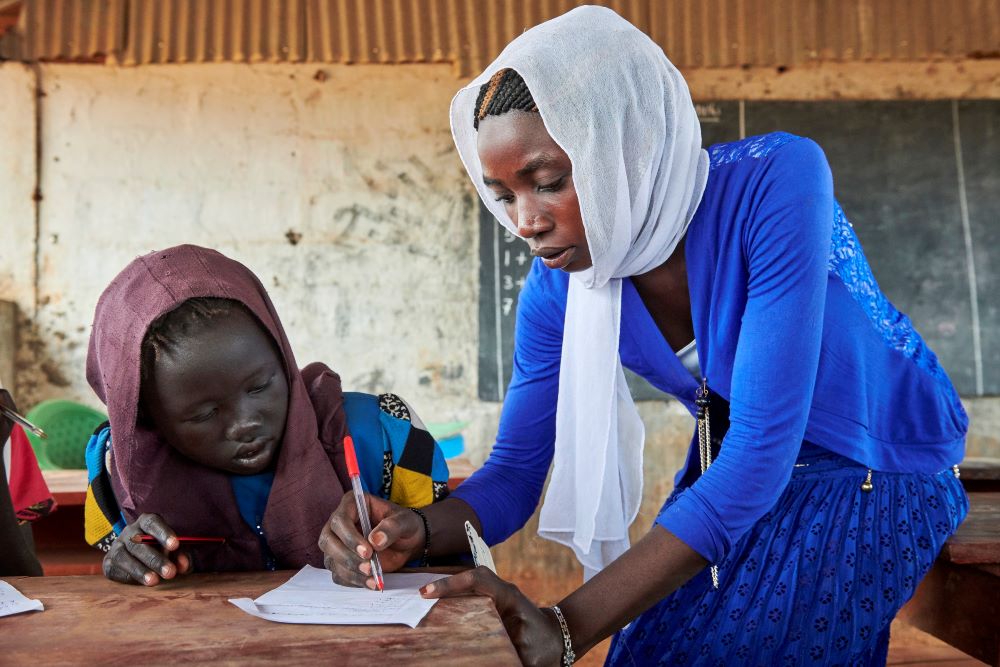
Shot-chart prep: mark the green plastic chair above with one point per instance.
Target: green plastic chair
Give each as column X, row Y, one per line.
column 69, row 426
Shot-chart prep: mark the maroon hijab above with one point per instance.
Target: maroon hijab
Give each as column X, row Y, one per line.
column 150, row 476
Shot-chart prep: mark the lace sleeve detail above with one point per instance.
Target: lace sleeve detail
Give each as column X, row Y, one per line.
column 848, row 262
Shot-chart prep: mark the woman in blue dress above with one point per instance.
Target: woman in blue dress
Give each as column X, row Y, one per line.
column 819, row 486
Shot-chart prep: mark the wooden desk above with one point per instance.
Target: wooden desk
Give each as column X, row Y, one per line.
column 90, row 620
column 959, row 600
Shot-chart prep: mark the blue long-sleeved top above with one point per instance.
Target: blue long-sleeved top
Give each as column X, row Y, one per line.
column 792, row 330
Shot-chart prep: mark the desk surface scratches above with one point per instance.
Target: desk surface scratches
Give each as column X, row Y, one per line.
column 89, row 620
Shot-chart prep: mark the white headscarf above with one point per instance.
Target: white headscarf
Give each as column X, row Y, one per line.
column 622, row 112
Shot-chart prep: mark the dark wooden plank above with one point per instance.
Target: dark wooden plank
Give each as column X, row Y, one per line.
column 911, row 646
column 980, row 468
column 959, row 604
column 981, row 474
column 977, row 540
column 90, row 620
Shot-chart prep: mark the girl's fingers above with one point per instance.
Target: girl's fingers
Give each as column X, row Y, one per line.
column 344, row 575
column 120, row 566
column 183, row 563
column 152, row 558
column 344, row 525
column 158, row 528
column 335, row 551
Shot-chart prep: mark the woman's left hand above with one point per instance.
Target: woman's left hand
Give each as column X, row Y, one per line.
column 534, row 632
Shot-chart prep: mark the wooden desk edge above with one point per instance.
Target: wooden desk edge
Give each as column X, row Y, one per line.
column 479, row 636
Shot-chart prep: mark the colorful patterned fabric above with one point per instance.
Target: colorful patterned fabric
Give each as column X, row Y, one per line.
column 102, row 518
column 816, row 581
column 399, row 459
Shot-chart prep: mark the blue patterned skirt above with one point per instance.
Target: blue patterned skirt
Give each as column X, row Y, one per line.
column 816, row 581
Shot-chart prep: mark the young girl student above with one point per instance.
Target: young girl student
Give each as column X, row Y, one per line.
column 214, row 432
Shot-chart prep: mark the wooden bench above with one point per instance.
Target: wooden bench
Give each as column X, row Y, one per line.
column 959, row 600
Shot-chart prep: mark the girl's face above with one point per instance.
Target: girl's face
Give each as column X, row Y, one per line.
column 220, row 396
column 533, row 177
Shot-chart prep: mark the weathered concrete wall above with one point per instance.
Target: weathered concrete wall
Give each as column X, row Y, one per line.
column 8, row 340
column 939, row 79
column 338, row 186
column 17, row 209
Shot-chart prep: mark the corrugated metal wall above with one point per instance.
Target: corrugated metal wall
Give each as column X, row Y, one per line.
column 469, row 33
column 59, row 30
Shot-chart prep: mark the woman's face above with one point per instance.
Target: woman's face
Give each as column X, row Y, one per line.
column 220, row 396
column 533, row 177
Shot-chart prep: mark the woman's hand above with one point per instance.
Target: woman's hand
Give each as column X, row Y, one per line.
column 534, row 632
column 131, row 562
column 398, row 536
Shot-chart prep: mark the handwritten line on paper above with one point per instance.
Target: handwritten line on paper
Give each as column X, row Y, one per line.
column 12, row 602
column 311, row 597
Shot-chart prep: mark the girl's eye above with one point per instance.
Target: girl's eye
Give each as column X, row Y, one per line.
column 203, row 417
column 506, row 199
column 261, row 387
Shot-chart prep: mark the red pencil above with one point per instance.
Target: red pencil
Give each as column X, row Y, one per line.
column 149, row 539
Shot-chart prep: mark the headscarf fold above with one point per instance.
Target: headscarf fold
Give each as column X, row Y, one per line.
column 150, row 476
column 622, row 112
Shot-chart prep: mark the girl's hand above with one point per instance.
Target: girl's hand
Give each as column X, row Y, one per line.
column 131, row 562
column 398, row 537
column 534, row 632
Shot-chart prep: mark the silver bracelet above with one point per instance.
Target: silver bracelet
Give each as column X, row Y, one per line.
column 568, row 657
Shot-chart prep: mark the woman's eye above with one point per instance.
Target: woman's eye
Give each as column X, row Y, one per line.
column 551, row 187
column 506, row 199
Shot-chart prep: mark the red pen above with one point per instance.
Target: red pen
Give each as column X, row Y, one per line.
column 149, row 539
column 359, row 498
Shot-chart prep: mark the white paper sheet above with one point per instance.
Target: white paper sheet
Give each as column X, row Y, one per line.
column 12, row 602
column 312, row 597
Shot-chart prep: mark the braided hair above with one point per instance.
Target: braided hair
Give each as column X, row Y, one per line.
column 192, row 316
column 505, row 91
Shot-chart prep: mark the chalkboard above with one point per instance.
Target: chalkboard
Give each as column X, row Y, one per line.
column 920, row 182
